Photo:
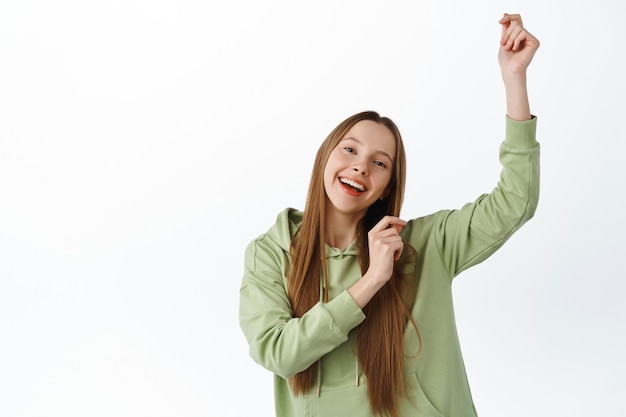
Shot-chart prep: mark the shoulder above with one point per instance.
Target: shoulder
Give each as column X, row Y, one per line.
column 268, row 253
column 280, row 234
column 419, row 230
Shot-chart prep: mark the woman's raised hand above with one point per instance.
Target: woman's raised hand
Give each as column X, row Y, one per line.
column 517, row 46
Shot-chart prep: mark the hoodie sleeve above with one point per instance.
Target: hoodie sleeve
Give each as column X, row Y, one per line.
column 279, row 342
column 468, row 236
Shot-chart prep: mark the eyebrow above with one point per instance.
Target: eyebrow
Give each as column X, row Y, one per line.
column 383, row 153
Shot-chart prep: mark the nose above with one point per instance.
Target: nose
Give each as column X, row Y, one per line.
column 360, row 168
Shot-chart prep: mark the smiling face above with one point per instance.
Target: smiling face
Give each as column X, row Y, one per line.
column 359, row 169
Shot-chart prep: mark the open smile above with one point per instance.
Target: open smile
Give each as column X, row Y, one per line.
column 353, row 187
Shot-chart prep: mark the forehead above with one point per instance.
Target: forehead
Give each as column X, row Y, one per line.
column 374, row 135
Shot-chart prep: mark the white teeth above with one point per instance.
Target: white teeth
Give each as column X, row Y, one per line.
column 352, row 184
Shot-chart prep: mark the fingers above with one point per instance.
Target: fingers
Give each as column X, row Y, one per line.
column 508, row 18
column 387, row 222
column 515, row 36
column 398, row 253
column 385, row 247
column 513, row 32
column 387, row 243
column 385, row 236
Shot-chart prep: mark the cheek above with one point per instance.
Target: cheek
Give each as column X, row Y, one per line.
column 384, row 185
column 327, row 183
column 329, row 176
column 332, row 165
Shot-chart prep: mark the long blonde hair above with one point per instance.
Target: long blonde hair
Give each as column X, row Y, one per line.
column 380, row 338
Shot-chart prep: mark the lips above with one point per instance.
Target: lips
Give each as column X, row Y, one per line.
column 352, row 186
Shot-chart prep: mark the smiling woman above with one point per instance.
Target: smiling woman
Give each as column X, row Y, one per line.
column 357, row 173
column 349, row 305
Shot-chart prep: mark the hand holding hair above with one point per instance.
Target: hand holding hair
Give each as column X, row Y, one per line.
column 385, row 245
column 385, row 248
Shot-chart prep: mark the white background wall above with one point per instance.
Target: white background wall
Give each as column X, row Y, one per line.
column 143, row 144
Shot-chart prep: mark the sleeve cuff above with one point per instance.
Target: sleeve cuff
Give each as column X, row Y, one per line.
column 521, row 134
column 345, row 312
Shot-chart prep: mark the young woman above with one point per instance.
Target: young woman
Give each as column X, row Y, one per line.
column 349, row 305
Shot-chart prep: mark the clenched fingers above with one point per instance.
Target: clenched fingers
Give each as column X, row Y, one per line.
column 386, row 242
column 387, row 222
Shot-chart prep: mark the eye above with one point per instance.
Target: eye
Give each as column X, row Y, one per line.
column 349, row 149
column 380, row 164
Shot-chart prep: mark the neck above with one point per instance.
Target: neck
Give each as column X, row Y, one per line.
column 340, row 228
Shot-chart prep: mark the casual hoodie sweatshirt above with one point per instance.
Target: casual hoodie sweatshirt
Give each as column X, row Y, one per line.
column 447, row 242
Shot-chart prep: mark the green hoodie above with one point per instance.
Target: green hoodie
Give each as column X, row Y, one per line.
column 448, row 242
